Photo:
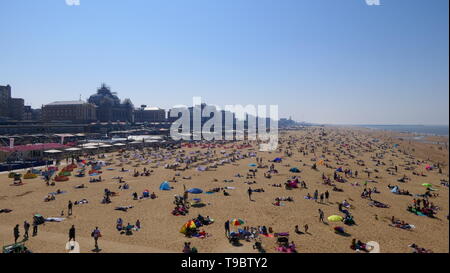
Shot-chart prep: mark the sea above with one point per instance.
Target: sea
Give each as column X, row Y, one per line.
column 436, row 130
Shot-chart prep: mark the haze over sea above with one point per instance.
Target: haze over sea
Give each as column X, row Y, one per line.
column 440, row 130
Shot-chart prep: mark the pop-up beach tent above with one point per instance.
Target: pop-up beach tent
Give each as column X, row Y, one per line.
column 165, row 186
column 294, row 170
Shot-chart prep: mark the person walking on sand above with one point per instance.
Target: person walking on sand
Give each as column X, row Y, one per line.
column 96, row 234
column 69, row 208
column 250, row 191
column 26, row 227
column 306, row 227
column 16, row 233
column 227, row 228
column 72, row 233
column 35, row 228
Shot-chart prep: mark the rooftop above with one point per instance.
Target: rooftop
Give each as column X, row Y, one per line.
column 71, row 102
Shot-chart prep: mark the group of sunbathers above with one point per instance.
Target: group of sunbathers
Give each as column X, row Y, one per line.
column 128, row 229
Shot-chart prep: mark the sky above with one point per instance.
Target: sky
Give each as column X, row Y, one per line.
column 321, row 61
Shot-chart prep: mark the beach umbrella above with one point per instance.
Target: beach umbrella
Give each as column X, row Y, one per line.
column 427, row 185
column 237, row 222
column 195, row 191
column 335, row 218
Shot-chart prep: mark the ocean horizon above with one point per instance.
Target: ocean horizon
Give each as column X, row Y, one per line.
column 438, row 130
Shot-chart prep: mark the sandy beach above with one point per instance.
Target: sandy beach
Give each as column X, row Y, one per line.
column 348, row 148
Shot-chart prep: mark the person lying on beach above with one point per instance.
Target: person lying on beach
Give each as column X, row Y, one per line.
column 378, row 204
column 82, row 186
column 82, row 201
column 417, row 249
column 124, row 208
column 5, row 210
column 289, row 199
column 358, row 245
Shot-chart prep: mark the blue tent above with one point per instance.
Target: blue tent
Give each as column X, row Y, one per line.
column 278, row 159
column 164, row 186
column 252, row 165
column 195, row 190
column 294, row 170
column 339, row 170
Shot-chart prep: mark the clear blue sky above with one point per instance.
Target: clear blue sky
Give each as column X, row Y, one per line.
column 326, row 61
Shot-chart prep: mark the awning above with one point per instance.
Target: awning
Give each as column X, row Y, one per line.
column 73, row 149
column 52, row 151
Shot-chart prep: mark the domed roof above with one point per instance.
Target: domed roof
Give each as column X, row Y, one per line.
column 104, row 97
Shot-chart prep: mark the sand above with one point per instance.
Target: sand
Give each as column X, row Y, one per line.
column 160, row 229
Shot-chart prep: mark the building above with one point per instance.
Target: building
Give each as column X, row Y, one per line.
column 5, row 97
column 149, row 114
column 10, row 108
column 109, row 106
column 30, row 114
column 16, row 108
column 69, row 111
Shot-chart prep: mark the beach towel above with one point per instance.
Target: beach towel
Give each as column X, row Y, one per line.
column 54, row 219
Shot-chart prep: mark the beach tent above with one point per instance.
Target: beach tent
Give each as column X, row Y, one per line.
column 294, row 170
column 335, row 218
column 195, row 190
column 164, row 186
column 339, row 170
column 188, row 225
column 252, row 165
column 277, row 160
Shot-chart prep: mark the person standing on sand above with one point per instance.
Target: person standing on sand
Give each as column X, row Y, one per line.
column 26, row 227
column 327, row 195
column 227, row 228
column 321, row 198
column 321, row 216
column 250, row 191
column 306, row 228
column 16, row 233
column 69, row 208
column 72, row 233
